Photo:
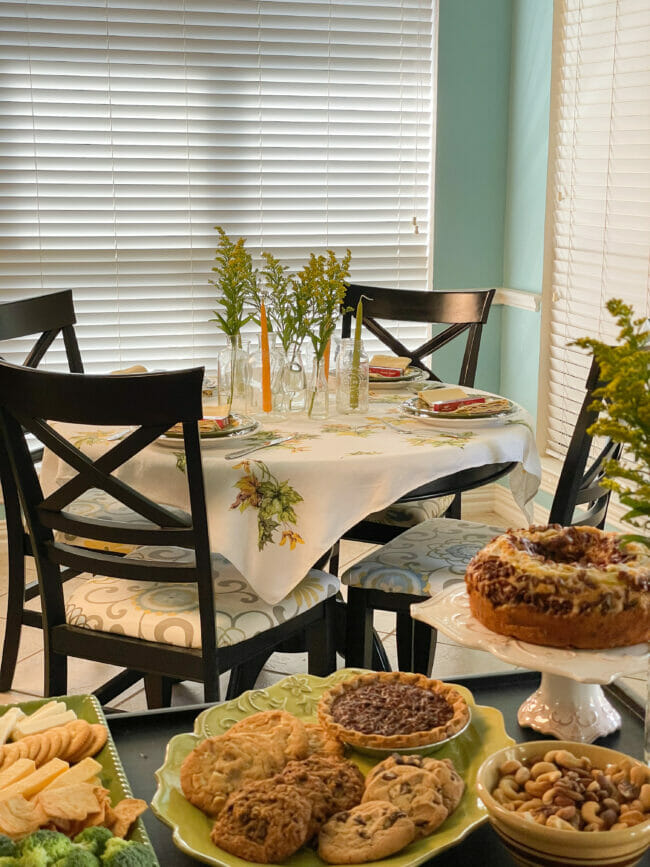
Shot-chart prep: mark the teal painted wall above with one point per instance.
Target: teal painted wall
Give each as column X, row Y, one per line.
column 471, row 163
column 523, row 249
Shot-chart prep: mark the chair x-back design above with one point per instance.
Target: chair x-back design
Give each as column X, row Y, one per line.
column 34, row 401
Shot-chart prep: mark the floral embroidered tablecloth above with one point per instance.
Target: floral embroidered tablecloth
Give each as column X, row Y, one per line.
column 274, row 513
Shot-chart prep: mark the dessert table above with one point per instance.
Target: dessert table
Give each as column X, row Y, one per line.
column 141, row 739
column 275, row 512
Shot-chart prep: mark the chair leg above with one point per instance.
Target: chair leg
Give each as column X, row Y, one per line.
column 404, row 635
column 13, row 625
column 454, row 510
column 321, row 642
column 244, row 675
column 358, row 630
column 56, row 673
column 158, row 690
column 424, row 647
column 335, row 553
column 379, row 656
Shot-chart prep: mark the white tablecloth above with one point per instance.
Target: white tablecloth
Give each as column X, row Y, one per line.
column 274, row 513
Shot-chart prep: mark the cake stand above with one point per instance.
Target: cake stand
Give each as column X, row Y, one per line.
column 570, row 703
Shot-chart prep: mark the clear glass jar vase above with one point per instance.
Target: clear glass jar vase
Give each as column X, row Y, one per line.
column 318, row 400
column 352, row 378
column 294, row 381
column 233, row 376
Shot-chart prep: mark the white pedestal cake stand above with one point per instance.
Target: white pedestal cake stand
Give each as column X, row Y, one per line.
column 570, row 703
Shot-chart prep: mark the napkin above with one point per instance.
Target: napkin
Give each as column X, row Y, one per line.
column 389, row 365
column 448, row 399
column 136, row 368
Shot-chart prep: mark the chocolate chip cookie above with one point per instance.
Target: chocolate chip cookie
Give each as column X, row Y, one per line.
column 283, row 726
column 219, row 765
column 412, row 790
column 343, row 780
column 321, row 743
column 265, row 821
column 445, row 776
column 367, row 832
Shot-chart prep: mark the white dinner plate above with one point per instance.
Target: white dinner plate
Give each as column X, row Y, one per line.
column 218, row 439
column 413, row 408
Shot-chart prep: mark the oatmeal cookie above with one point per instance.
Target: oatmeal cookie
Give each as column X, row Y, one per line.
column 281, row 725
column 367, row 832
column 265, row 821
column 445, row 777
column 412, row 790
column 219, row 765
column 343, row 779
column 322, row 743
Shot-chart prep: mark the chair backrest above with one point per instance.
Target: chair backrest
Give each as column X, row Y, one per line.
column 45, row 316
column 32, row 400
column 579, row 484
column 462, row 312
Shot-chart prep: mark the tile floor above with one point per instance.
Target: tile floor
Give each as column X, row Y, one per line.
column 84, row 676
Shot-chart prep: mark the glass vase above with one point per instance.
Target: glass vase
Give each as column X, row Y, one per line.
column 352, row 379
column 277, row 361
column 294, row 381
column 233, row 376
column 318, row 405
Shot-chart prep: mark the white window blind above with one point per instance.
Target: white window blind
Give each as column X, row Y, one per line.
column 130, row 128
column 599, row 187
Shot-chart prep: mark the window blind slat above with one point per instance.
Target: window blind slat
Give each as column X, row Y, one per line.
column 132, row 127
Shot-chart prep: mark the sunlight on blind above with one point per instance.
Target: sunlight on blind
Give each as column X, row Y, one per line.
column 600, row 187
column 133, row 128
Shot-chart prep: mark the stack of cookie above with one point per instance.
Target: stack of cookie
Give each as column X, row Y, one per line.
column 273, row 784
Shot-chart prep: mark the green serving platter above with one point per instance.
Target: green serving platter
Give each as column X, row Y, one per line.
column 299, row 695
column 112, row 774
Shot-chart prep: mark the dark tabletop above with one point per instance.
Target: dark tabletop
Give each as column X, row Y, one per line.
column 141, row 739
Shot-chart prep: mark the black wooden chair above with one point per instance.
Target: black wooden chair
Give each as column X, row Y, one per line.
column 46, row 316
column 462, row 314
column 424, row 559
column 180, row 608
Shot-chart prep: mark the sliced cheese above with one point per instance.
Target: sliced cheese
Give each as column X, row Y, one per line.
column 83, row 772
column 8, row 722
column 48, row 721
column 51, row 707
column 441, row 395
column 20, row 769
column 34, row 782
column 397, row 362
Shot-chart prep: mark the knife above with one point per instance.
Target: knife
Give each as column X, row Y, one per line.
column 264, row 445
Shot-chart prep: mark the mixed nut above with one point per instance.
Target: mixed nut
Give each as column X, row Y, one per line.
column 561, row 790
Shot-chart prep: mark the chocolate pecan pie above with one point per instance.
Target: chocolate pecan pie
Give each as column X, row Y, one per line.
column 392, row 710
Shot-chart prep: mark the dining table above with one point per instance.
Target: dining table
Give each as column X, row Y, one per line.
column 275, row 511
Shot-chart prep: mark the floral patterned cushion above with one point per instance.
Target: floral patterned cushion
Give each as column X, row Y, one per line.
column 168, row 613
column 411, row 514
column 100, row 506
column 422, row 560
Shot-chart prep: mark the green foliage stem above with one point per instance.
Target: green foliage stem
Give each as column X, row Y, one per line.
column 623, row 404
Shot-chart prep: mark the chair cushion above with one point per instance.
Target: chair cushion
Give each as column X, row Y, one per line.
column 100, row 506
column 413, row 513
column 168, row 613
column 422, row 560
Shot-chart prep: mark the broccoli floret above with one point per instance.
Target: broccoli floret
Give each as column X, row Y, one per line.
column 7, row 847
column 9, row 861
column 127, row 853
column 94, row 839
column 78, row 857
column 49, row 846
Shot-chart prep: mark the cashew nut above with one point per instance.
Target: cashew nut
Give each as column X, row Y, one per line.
column 589, row 812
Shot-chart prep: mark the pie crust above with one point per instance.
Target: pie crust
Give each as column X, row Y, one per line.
column 354, row 737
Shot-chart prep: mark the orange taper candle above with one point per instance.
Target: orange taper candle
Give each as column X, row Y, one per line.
column 326, row 359
column 267, row 403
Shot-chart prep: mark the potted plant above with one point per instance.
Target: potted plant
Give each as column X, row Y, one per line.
column 235, row 281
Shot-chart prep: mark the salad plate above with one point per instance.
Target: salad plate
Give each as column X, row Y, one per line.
column 240, row 427
column 411, row 375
